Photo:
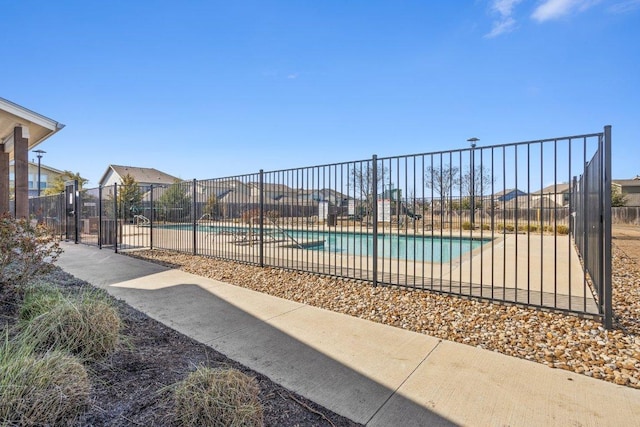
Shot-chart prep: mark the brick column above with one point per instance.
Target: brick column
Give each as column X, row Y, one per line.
column 4, row 180
column 21, row 167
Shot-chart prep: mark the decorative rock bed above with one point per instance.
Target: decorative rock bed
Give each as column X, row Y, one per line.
column 554, row 339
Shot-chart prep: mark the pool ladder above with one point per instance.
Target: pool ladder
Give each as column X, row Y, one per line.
column 141, row 220
column 283, row 231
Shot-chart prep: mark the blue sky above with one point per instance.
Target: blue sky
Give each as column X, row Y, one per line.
column 203, row 89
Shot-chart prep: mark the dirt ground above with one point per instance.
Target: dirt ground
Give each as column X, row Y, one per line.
column 132, row 386
column 627, row 238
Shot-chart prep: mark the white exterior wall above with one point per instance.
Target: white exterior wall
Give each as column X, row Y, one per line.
column 110, row 179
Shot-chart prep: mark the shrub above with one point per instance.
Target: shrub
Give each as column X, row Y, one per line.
column 39, row 299
column 26, row 250
column 486, row 227
column 562, row 229
column 87, row 325
column 532, row 228
column 466, row 225
column 218, row 397
column 49, row 389
column 509, row 227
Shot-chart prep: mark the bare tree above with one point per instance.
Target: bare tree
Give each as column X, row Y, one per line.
column 362, row 180
column 477, row 183
column 442, row 180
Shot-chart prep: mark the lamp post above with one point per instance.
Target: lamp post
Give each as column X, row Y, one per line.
column 40, row 153
column 472, row 184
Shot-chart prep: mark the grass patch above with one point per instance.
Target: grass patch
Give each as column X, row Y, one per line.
column 38, row 300
column 86, row 325
column 218, row 397
column 49, row 389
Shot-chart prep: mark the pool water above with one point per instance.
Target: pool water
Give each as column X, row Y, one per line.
column 406, row 247
column 411, row 248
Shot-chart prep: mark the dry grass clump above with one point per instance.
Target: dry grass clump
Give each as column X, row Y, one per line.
column 87, row 326
column 218, row 397
column 38, row 300
column 49, row 389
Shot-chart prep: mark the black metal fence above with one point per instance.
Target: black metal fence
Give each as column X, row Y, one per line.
column 491, row 222
column 592, row 223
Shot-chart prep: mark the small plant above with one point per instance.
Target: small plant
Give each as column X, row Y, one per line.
column 531, row 228
column 466, row 225
column 510, row 228
column 486, row 227
column 87, row 326
column 218, row 397
column 562, row 229
column 26, row 250
column 38, row 300
column 49, row 389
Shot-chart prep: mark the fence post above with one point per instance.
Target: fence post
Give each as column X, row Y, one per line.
column 115, row 217
column 100, row 217
column 151, row 217
column 261, row 247
column 374, row 208
column 606, row 225
column 193, row 215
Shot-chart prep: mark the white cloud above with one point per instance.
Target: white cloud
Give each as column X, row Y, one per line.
column 292, row 76
column 505, row 23
column 504, row 7
column 625, row 6
column 554, row 9
column 501, row 27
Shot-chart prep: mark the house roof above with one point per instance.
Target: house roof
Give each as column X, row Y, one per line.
column 12, row 115
column 509, row 191
column 558, row 188
column 270, row 187
column 523, row 202
column 43, row 167
column 635, row 182
column 141, row 175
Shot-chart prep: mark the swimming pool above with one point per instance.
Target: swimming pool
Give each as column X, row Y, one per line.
column 406, row 247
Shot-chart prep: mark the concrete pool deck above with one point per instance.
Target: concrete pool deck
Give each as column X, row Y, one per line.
column 536, row 269
column 374, row 374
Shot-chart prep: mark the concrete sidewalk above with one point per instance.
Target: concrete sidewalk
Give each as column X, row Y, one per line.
column 374, row 374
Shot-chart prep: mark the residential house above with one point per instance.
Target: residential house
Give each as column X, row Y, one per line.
column 145, row 177
column 47, row 176
column 21, row 130
column 507, row 195
column 630, row 188
column 558, row 193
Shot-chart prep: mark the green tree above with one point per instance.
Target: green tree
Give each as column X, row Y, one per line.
column 617, row 198
column 57, row 185
column 129, row 197
column 175, row 202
